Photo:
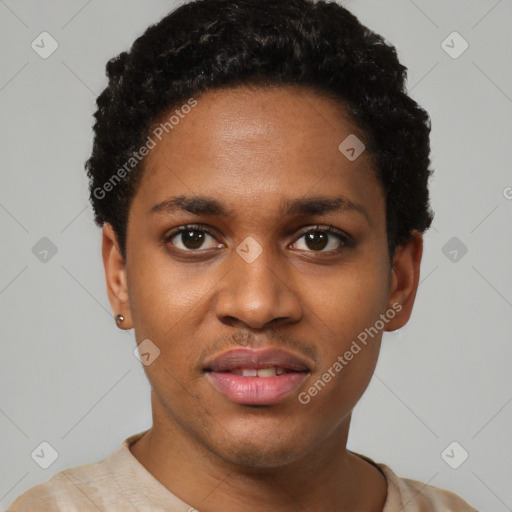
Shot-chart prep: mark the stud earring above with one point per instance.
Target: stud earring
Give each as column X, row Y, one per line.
column 119, row 319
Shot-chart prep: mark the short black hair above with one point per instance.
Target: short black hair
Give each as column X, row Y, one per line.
column 205, row 45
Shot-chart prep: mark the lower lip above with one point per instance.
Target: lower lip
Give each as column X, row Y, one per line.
column 256, row 390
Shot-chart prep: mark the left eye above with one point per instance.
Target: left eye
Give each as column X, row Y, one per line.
column 318, row 239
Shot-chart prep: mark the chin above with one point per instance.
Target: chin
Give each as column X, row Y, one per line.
column 256, row 456
column 262, row 448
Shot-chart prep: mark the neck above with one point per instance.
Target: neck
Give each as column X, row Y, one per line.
column 329, row 479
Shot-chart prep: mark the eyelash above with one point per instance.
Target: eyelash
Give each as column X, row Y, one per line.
column 345, row 240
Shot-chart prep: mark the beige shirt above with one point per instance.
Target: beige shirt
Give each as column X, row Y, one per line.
column 120, row 483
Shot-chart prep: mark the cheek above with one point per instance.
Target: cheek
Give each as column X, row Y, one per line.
column 168, row 304
column 346, row 310
column 164, row 304
column 351, row 300
column 164, row 294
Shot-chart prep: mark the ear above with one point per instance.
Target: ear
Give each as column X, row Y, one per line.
column 115, row 276
column 404, row 280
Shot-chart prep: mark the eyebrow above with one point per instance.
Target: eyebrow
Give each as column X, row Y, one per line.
column 203, row 205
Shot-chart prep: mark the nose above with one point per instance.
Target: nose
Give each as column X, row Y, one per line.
column 255, row 294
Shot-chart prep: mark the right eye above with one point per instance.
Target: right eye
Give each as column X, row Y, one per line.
column 191, row 237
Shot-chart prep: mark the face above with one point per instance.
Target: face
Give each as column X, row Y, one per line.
column 259, row 178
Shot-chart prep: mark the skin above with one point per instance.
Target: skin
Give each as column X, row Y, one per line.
column 251, row 149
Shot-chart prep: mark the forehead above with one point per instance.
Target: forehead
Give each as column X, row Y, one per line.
column 254, row 146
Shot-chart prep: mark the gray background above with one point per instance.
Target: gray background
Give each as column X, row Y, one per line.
column 68, row 376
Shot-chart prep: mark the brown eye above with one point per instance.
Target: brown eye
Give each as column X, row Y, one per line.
column 190, row 238
column 316, row 240
column 319, row 239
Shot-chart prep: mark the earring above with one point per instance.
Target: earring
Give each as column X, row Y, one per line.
column 119, row 319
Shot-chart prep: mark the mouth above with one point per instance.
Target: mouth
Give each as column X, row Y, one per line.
column 257, row 377
column 271, row 371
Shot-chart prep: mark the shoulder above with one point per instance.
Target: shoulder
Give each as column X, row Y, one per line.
column 80, row 488
column 418, row 496
column 70, row 490
column 407, row 495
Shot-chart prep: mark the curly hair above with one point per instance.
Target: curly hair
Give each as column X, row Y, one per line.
column 213, row 44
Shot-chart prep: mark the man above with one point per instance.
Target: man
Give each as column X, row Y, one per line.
column 261, row 179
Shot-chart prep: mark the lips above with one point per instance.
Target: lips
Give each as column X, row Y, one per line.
column 257, row 377
column 237, row 359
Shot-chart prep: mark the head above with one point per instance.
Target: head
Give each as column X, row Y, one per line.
column 261, row 123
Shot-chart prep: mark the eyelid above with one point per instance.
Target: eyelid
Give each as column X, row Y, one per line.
column 327, row 229
column 189, row 227
column 344, row 239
